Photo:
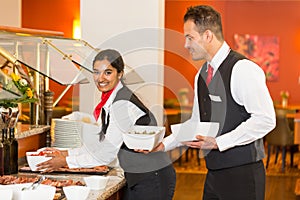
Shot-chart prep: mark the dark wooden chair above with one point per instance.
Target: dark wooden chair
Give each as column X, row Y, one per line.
column 189, row 152
column 282, row 138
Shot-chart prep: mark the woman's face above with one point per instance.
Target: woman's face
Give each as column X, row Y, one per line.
column 105, row 76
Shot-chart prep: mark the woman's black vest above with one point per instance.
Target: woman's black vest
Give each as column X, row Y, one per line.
column 137, row 166
column 216, row 104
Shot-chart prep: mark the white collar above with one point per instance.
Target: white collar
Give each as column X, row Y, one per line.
column 112, row 96
column 220, row 56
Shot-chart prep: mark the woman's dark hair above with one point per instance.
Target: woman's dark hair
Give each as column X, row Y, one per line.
column 205, row 18
column 112, row 56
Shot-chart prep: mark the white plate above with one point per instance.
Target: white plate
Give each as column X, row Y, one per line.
column 188, row 130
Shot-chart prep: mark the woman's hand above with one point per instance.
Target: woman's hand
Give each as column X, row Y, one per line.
column 159, row 147
column 203, row 142
column 58, row 160
column 50, row 151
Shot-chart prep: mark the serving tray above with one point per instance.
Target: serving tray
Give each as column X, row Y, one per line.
column 100, row 170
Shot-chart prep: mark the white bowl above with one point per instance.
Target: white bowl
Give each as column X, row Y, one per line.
column 96, row 182
column 144, row 137
column 44, row 192
column 33, row 160
column 76, row 192
column 6, row 193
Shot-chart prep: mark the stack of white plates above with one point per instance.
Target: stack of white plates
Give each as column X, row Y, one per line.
column 66, row 133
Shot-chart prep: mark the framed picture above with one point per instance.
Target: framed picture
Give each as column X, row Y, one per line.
column 263, row 50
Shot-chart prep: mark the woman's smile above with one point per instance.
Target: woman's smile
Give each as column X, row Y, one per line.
column 105, row 76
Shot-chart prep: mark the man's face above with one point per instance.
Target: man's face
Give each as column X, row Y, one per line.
column 194, row 41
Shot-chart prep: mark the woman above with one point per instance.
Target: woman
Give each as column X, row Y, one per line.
column 149, row 176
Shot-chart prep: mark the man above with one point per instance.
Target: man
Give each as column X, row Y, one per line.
column 230, row 90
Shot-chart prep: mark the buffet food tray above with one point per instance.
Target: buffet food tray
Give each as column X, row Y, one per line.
column 99, row 170
column 58, row 182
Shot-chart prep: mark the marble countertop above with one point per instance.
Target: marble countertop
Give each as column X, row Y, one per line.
column 115, row 183
column 116, row 180
column 26, row 130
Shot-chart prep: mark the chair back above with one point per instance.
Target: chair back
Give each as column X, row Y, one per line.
column 169, row 120
column 282, row 134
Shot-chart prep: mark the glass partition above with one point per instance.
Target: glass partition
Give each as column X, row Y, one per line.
column 80, row 52
column 62, row 60
column 41, row 57
column 83, row 54
column 36, row 53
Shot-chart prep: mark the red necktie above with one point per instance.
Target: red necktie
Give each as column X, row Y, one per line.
column 210, row 72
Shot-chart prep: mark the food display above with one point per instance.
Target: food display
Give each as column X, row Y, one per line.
column 9, row 179
column 59, row 184
column 143, row 132
column 40, row 153
column 40, row 156
column 98, row 170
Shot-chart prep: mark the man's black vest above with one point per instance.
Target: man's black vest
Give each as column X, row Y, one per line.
column 216, row 104
column 137, row 166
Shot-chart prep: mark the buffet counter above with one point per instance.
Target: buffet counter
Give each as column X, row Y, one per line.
column 112, row 191
column 26, row 130
column 31, row 138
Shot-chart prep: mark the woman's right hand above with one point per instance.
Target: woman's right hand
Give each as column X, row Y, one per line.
column 159, row 147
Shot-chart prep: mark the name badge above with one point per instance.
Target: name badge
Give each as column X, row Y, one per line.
column 215, row 98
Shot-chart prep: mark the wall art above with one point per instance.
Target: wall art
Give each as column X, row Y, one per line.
column 263, row 50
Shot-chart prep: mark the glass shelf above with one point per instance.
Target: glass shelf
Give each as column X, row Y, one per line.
column 43, row 56
column 62, row 60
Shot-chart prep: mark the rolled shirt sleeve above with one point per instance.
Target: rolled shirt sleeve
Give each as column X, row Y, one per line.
column 249, row 89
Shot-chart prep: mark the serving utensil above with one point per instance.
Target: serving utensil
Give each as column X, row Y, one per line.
column 35, row 184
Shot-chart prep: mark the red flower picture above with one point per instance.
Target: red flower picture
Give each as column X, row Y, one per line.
column 263, row 50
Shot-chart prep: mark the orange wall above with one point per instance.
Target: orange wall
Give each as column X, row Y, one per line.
column 270, row 18
column 180, row 69
column 56, row 15
column 278, row 18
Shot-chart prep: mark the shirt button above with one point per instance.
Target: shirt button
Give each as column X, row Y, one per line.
column 205, row 113
column 204, row 99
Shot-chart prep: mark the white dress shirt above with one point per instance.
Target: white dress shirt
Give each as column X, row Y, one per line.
column 248, row 89
column 123, row 114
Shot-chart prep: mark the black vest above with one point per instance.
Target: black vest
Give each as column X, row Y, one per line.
column 137, row 166
column 228, row 113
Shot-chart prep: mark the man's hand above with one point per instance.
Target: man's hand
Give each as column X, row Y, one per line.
column 203, row 142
